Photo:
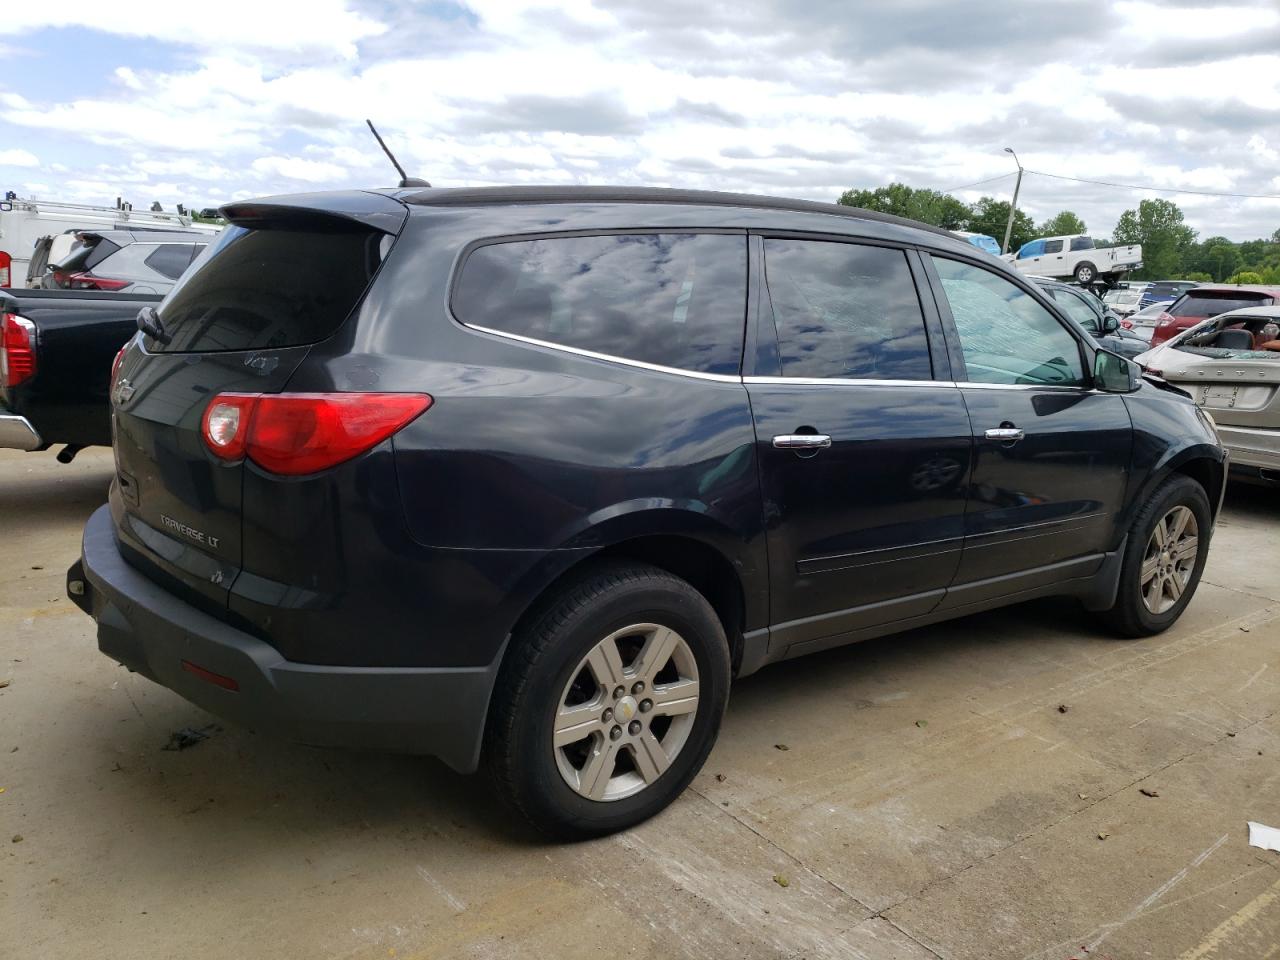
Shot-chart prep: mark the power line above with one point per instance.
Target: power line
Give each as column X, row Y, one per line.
column 1135, row 186
column 966, row 186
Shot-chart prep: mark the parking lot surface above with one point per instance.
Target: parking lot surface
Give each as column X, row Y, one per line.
column 1017, row 784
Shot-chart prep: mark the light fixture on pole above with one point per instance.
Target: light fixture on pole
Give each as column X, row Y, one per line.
column 1008, row 229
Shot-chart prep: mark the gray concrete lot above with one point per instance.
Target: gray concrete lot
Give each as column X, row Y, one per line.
column 934, row 800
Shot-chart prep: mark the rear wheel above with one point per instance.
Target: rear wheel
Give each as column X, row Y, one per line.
column 1164, row 558
column 609, row 701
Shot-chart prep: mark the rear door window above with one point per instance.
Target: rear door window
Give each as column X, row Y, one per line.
column 1081, row 243
column 671, row 299
column 272, row 287
column 1212, row 304
column 846, row 311
column 1053, row 246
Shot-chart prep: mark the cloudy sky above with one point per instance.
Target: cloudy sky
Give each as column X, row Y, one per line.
column 208, row 102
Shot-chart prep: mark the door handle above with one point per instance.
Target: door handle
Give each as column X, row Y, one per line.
column 802, row 441
column 1005, row 434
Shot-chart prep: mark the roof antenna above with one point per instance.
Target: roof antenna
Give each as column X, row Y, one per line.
column 405, row 179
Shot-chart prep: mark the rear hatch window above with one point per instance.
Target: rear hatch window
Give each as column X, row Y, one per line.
column 92, row 251
column 258, row 289
column 1212, row 304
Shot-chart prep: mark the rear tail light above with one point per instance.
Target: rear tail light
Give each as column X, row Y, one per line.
column 1163, row 329
column 293, row 434
column 86, row 281
column 115, row 365
column 6, row 268
column 17, row 350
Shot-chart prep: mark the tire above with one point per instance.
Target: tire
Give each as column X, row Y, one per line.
column 1086, row 273
column 552, row 688
column 1134, row 614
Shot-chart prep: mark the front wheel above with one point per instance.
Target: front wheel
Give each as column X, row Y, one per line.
column 609, row 702
column 1164, row 558
column 1086, row 273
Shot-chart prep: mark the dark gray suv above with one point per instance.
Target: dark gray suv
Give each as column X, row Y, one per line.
column 526, row 477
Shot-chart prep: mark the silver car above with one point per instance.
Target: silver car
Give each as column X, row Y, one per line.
column 1230, row 364
column 127, row 261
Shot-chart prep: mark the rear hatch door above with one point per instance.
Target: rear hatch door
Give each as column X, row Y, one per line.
column 283, row 276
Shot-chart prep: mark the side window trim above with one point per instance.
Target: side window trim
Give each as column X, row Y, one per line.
column 761, row 357
column 939, row 349
column 606, row 357
column 956, row 353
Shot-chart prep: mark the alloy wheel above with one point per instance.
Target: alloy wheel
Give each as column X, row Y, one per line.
column 1169, row 559
column 626, row 712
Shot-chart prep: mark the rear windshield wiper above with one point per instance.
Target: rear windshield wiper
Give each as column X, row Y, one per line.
column 149, row 323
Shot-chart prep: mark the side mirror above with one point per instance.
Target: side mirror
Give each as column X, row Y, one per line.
column 1114, row 374
column 1110, row 322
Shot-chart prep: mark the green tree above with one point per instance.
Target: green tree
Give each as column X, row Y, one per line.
column 1197, row 276
column 1245, row 276
column 1063, row 224
column 990, row 215
column 1222, row 258
column 926, row 206
column 1157, row 225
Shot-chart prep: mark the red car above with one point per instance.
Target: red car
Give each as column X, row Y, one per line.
column 1209, row 301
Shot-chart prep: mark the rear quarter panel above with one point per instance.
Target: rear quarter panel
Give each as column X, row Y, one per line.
column 530, row 459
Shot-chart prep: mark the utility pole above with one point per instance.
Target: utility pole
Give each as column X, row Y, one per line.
column 1008, row 229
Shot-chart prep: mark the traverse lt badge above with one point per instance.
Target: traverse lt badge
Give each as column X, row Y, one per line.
column 191, row 533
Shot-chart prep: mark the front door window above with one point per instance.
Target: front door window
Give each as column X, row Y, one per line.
column 1005, row 335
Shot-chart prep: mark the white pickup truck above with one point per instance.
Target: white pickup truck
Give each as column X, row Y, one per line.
column 1076, row 257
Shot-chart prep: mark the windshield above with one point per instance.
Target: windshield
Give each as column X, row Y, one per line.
column 1212, row 304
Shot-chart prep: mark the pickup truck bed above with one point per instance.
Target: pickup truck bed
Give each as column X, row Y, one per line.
column 77, row 335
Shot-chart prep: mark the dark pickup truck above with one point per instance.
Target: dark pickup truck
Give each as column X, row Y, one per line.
column 56, row 351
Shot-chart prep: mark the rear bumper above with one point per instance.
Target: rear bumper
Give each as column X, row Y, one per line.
column 17, row 433
column 1251, row 447
column 437, row 711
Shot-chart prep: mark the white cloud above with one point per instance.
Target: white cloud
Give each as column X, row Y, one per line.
column 298, row 168
column 316, row 25
column 18, row 157
column 755, row 97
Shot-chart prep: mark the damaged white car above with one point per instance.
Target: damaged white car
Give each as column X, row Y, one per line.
column 1230, row 364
